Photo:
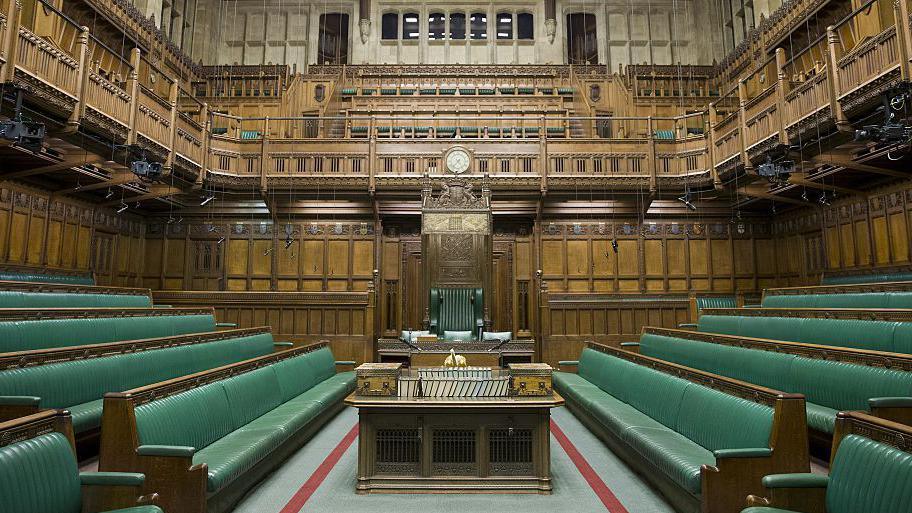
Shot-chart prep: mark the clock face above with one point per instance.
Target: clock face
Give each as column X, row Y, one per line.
column 457, row 161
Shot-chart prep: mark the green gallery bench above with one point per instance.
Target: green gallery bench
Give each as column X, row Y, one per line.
column 874, row 330
column 25, row 329
column 870, row 472
column 856, row 279
column 76, row 379
column 23, row 294
column 862, row 295
column 39, row 473
column 703, row 440
column 831, row 379
column 11, row 272
column 204, row 439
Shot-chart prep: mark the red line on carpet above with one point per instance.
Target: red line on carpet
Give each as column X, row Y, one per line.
column 316, row 479
column 611, row 502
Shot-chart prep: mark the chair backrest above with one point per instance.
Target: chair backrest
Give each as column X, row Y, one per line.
column 866, row 278
column 842, row 300
column 709, row 417
column 25, row 299
column 455, row 309
column 47, row 278
column 40, row 475
column 200, row 416
column 69, row 383
column 869, row 476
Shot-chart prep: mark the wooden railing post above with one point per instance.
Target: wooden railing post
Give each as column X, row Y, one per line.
column 742, row 122
column 780, row 93
column 651, row 158
column 82, row 76
column 133, row 89
column 172, row 137
column 263, row 155
column 842, row 123
column 12, row 40
column 901, row 17
column 371, row 156
column 713, row 119
column 206, row 143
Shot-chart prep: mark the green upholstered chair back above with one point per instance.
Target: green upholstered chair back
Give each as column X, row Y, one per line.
column 66, row 384
column 866, row 278
column 708, row 417
column 24, row 299
column 455, row 309
column 67, row 332
column 846, row 300
column 869, row 476
column 47, row 278
column 200, row 416
column 716, row 302
column 39, row 475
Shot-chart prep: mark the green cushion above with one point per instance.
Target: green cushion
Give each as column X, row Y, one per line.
column 460, row 336
column 821, row 418
column 716, row 302
column 25, row 299
column 195, row 418
column 674, row 454
column 767, row 510
column 87, row 416
column 235, row 453
column 137, row 509
column 846, row 386
column 322, row 364
column 251, row 394
column 716, row 420
column 497, row 335
column 723, row 324
column 657, row 394
column 294, row 377
column 39, row 475
column 47, row 278
column 868, row 476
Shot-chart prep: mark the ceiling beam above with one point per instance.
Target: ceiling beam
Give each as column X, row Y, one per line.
column 53, row 168
column 848, row 163
column 155, row 191
column 121, row 178
column 804, row 182
column 763, row 194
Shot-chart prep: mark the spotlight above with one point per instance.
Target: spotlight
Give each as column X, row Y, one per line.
column 823, row 199
column 109, row 193
column 27, row 134
column 804, row 195
column 773, row 209
column 145, row 170
column 288, row 242
column 206, row 200
column 685, row 199
column 123, row 207
column 776, row 172
column 221, row 240
column 170, row 220
column 614, row 245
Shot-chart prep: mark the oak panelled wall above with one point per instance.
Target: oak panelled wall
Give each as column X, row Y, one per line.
column 44, row 230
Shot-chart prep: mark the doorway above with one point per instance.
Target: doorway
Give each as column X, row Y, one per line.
column 582, row 43
column 333, row 45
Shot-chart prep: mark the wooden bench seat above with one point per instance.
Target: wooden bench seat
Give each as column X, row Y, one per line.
column 26, row 329
column 39, row 473
column 870, row 472
column 204, row 439
column 77, row 378
column 701, row 439
column 831, row 379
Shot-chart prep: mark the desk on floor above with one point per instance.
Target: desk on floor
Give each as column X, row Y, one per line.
column 458, row 443
column 478, row 354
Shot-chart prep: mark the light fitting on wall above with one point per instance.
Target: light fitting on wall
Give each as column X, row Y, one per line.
column 109, row 193
column 614, row 244
column 206, row 200
column 685, row 199
column 221, row 240
column 823, row 199
column 123, row 207
column 804, row 195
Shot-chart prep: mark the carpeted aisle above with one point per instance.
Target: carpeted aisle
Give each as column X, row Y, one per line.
column 321, row 478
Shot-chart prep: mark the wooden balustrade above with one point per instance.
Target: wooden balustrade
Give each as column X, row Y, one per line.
column 44, row 61
column 153, row 120
column 806, row 99
column 188, row 142
column 761, row 117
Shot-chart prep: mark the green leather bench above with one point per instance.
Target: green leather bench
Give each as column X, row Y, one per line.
column 15, row 294
column 673, row 430
column 847, row 300
column 455, row 309
column 27, row 330
column 874, row 335
column 79, row 383
column 866, row 278
column 220, row 436
column 39, row 473
column 870, row 472
column 829, row 386
column 36, row 277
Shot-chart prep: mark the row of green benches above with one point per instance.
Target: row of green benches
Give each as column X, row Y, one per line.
column 463, row 131
column 449, row 91
column 23, row 294
column 39, row 275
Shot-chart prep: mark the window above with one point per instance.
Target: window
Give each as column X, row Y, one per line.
column 525, row 26
column 389, row 26
column 457, row 26
column 436, row 26
column 582, row 46
column 504, row 25
column 479, row 22
column 410, row 25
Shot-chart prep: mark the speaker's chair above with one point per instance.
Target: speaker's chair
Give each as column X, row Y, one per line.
column 456, row 309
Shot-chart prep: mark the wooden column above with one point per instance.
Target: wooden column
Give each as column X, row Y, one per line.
column 651, row 158
column 82, row 75
column 711, row 146
column 742, row 122
column 172, row 137
column 901, row 17
column 842, row 123
column 12, row 39
column 133, row 90
column 206, row 144
column 780, row 93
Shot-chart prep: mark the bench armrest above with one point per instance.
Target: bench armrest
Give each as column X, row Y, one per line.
column 795, row 481
column 748, row 452
column 162, row 306
column 630, row 344
column 177, row 451
column 226, row 325
column 753, row 306
column 19, row 400
column 111, row 478
column 341, row 363
column 687, row 325
column 890, row 402
column 283, row 344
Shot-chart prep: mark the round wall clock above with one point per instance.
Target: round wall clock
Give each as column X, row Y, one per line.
column 457, row 161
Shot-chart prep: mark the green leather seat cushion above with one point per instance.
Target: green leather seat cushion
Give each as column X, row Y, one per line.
column 869, row 476
column 39, row 475
column 821, row 418
column 460, row 336
column 86, row 416
column 767, row 510
column 137, row 509
column 236, row 452
column 675, row 455
column 26, row 299
column 47, row 278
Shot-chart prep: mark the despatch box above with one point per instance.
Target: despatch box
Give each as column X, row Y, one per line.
column 530, row 379
column 378, row 379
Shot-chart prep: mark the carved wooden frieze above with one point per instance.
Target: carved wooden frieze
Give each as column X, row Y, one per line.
column 455, row 223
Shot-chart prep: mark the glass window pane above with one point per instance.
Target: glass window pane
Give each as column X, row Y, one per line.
column 457, row 26
column 436, row 26
column 479, row 24
column 410, row 25
column 390, row 26
column 525, row 26
column 504, row 25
